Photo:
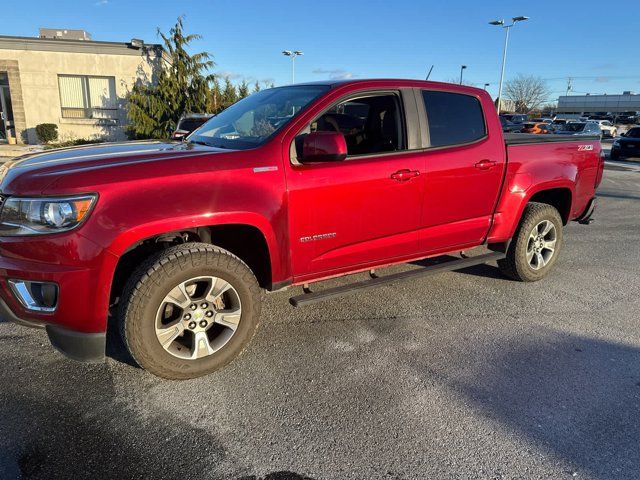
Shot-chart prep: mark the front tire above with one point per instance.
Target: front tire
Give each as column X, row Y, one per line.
column 535, row 247
column 189, row 311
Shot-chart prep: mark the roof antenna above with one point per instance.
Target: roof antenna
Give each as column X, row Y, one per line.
column 429, row 74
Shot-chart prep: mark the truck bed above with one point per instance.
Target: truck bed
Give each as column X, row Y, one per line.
column 528, row 138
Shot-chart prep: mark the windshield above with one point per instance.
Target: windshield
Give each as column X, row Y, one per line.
column 572, row 127
column 634, row 133
column 251, row 121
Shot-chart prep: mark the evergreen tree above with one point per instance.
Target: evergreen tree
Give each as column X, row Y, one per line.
column 215, row 97
column 256, row 87
column 182, row 87
column 243, row 90
column 229, row 94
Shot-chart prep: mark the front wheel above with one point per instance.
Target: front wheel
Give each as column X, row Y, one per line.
column 536, row 244
column 189, row 311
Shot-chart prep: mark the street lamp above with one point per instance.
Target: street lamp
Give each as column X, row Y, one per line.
column 462, row 68
column 486, row 85
column 500, row 23
column 293, row 54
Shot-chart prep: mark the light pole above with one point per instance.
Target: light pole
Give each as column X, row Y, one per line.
column 486, row 85
column 462, row 67
column 293, row 54
column 500, row 23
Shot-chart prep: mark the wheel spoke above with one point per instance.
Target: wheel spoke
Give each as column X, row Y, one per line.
column 539, row 260
column 550, row 245
column 201, row 346
column 228, row 318
column 179, row 296
column 546, row 228
column 169, row 333
column 530, row 255
column 218, row 287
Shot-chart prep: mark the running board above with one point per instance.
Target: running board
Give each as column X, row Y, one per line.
column 313, row 297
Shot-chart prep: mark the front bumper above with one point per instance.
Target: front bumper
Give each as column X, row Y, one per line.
column 82, row 271
column 80, row 346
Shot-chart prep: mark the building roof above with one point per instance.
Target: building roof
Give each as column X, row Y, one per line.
column 77, row 46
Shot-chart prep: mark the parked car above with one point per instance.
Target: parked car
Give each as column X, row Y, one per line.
column 189, row 123
column 516, row 117
column 627, row 145
column 173, row 242
column 537, row 128
column 579, row 128
column 608, row 129
column 626, row 119
column 509, row 127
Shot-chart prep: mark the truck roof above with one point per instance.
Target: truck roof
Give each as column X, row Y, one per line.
column 404, row 82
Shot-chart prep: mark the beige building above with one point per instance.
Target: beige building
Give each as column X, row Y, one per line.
column 79, row 85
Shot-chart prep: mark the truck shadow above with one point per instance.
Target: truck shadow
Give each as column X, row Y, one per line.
column 575, row 397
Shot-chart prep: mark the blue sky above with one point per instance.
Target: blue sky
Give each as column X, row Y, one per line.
column 588, row 40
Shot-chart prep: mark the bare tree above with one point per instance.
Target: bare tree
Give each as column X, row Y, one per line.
column 527, row 92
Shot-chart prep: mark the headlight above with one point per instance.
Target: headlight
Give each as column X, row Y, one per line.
column 34, row 216
column 616, row 143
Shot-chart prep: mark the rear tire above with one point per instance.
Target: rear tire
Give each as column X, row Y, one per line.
column 536, row 244
column 189, row 311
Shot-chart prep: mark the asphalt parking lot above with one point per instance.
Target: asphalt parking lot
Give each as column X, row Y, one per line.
column 463, row 375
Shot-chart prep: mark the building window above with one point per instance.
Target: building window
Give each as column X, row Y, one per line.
column 82, row 96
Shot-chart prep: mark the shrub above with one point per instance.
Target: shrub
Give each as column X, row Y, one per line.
column 74, row 143
column 47, row 132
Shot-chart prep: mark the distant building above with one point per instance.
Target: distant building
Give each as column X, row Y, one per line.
column 66, row 78
column 580, row 104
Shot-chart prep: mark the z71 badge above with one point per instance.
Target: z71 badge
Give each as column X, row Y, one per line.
column 585, row 148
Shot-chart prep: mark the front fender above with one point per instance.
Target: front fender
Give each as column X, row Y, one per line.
column 129, row 238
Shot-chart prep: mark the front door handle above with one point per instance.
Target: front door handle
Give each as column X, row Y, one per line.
column 404, row 175
column 485, row 164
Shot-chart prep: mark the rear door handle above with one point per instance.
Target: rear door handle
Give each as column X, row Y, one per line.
column 485, row 164
column 404, row 175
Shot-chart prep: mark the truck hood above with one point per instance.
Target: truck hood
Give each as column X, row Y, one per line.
column 66, row 160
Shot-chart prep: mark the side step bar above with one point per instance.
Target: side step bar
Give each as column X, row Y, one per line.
column 313, row 297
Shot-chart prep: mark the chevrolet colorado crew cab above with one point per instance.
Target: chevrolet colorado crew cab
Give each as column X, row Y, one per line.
column 173, row 242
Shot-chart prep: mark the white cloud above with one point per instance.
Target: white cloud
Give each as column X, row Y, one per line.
column 101, row 3
column 335, row 74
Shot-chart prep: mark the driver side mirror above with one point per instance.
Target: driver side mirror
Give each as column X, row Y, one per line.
column 324, row 147
column 623, row 134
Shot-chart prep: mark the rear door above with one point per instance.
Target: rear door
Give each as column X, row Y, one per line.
column 358, row 212
column 464, row 163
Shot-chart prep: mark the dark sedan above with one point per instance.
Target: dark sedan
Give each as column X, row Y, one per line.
column 627, row 145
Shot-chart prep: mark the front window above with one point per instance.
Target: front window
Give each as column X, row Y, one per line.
column 82, row 96
column 252, row 121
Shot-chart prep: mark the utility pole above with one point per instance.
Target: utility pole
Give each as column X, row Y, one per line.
column 462, row 69
column 500, row 23
column 293, row 54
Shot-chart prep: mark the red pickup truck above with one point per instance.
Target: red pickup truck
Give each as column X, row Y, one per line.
column 174, row 242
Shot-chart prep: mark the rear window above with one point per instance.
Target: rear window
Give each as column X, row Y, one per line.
column 454, row 118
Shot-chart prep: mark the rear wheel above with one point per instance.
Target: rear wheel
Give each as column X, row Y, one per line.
column 189, row 311
column 536, row 244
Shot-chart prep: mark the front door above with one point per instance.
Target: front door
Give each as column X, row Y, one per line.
column 6, row 115
column 357, row 212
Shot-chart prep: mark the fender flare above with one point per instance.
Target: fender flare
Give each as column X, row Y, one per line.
column 124, row 241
